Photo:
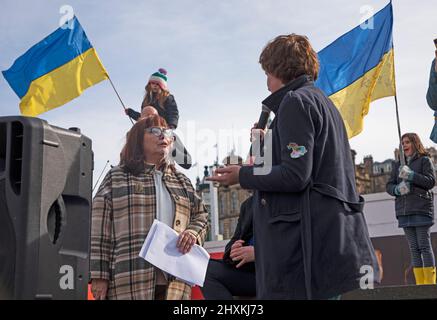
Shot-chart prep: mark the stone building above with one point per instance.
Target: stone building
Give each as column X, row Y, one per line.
column 229, row 202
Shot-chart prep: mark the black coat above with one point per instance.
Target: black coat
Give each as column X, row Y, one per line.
column 420, row 199
column 311, row 238
column 243, row 231
column 170, row 111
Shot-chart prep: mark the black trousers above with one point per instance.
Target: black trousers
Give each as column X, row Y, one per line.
column 223, row 281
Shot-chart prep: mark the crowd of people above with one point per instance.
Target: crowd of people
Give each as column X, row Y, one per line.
column 300, row 235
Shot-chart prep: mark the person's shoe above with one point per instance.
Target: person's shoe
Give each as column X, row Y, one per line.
column 418, row 275
column 429, row 275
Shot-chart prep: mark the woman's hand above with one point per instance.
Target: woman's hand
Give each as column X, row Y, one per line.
column 402, row 188
column 406, row 173
column 243, row 254
column 99, row 288
column 186, row 241
column 230, row 175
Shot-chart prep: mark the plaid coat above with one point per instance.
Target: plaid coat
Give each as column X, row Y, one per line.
column 123, row 211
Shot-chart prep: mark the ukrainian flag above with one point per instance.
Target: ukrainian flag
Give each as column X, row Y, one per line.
column 55, row 70
column 358, row 68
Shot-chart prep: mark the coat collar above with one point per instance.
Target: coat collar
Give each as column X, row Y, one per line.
column 413, row 157
column 148, row 168
column 274, row 100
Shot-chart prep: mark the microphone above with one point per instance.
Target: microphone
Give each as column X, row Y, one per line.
column 263, row 117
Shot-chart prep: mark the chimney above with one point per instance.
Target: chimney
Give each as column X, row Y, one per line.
column 368, row 165
column 354, row 154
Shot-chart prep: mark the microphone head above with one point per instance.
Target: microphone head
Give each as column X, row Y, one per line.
column 265, row 108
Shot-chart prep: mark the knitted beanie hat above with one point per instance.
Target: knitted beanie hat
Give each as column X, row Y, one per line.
column 160, row 77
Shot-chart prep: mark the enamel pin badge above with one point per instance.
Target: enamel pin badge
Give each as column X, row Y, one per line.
column 297, row 151
column 138, row 188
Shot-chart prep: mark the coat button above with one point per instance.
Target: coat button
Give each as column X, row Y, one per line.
column 178, row 222
column 263, row 202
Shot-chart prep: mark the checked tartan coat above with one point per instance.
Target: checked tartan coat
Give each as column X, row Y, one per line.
column 122, row 213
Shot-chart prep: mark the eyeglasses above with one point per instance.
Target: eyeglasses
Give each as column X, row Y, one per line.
column 157, row 131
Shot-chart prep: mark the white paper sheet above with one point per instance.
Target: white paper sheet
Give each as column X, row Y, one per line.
column 160, row 249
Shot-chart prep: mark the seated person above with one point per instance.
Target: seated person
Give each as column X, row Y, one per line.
column 235, row 274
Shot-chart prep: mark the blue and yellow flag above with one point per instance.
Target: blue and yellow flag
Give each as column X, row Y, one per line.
column 358, row 68
column 55, row 70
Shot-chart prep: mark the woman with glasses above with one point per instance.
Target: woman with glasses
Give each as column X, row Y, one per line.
column 143, row 187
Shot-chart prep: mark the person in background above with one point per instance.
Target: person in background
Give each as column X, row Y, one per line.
column 234, row 275
column 143, row 187
column 412, row 186
column 431, row 94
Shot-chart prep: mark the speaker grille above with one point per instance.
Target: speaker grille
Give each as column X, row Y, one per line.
column 16, row 165
column 7, row 249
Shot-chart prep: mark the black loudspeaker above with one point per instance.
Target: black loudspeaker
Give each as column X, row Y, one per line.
column 45, row 210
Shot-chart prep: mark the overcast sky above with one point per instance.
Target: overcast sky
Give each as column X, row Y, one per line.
column 210, row 50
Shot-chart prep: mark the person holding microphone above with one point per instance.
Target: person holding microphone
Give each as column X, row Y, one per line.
column 310, row 236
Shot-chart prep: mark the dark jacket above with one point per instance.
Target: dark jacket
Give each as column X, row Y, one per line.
column 170, row 111
column 431, row 98
column 311, row 238
column 243, row 231
column 420, row 200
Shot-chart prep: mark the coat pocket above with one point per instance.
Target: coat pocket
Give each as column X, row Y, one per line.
column 282, row 206
column 285, row 217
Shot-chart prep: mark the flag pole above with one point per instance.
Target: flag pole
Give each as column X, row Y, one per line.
column 119, row 98
column 401, row 148
column 107, row 162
